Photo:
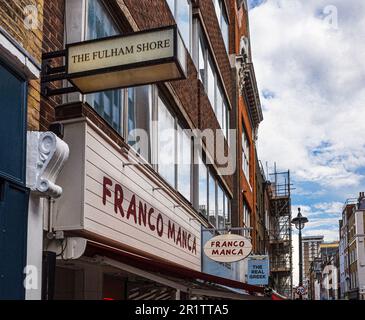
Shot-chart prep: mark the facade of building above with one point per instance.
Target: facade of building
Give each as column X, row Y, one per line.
column 20, row 66
column 311, row 250
column 352, row 249
column 324, row 273
column 262, row 211
column 103, row 215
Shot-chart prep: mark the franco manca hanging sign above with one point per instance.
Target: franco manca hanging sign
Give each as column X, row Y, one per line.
column 134, row 59
column 228, row 248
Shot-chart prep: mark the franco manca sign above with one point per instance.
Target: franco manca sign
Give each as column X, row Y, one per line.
column 228, row 248
column 134, row 59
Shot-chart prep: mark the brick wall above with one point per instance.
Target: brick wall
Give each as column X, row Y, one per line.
column 239, row 28
column 190, row 91
column 12, row 18
column 53, row 40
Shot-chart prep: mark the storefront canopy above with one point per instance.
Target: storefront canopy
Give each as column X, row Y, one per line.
column 194, row 283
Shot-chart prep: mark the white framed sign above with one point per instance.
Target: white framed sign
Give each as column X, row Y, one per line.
column 127, row 60
column 115, row 205
column 228, row 248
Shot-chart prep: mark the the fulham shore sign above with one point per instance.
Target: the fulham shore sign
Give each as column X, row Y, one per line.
column 134, row 59
column 228, row 248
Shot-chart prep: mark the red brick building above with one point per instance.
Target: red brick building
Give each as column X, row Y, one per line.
column 171, row 194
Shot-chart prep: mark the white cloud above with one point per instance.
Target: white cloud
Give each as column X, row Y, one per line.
column 330, row 207
column 316, row 77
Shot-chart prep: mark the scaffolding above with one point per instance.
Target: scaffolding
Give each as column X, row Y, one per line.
column 280, row 233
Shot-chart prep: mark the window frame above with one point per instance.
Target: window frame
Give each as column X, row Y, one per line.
column 86, row 97
column 246, row 158
column 227, row 215
column 201, row 42
column 177, row 123
column 223, row 16
column 175, row 14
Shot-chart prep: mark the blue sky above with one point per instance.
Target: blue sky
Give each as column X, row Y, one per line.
column 310, row 69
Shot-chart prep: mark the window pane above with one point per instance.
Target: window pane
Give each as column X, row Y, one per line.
column 203, row 188
column 219, row 109
column 183, row 20
column 211, row 85
column 226, row 121
column 220, row 200
column 140, row 119
column 218, row 11
column 202, row 60
column 166, row 143
column 245, row 155
column 108, row 104
column 184, row 164
column 171, row 4
column 227, row 210
column 212, row 204
column 225, row 31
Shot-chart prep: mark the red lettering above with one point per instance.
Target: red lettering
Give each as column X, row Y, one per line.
column 142, row 214
column 178, row 240
column 118, row 200
column 132, row 209
column 184, row 239
column 171, row 231
column 106, row 192
column 150, row 212
column 194, row 246
column 159, row 225
column 189, row 246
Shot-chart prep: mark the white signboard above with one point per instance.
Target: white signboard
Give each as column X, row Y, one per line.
column 127, row 60
column 228, row 248
column 118, row 206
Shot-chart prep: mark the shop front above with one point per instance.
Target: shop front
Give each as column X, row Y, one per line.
column 122, row 233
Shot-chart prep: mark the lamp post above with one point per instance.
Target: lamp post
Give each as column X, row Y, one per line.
column 299, row 221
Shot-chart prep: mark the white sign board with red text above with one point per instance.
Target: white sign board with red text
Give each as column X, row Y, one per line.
column 122, row 206
column 228, row 248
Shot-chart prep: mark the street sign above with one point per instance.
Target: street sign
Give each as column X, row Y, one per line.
column 301, row 291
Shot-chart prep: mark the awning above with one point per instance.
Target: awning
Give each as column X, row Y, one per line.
column 186, row 280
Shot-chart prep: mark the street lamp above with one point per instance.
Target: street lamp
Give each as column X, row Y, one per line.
column 299, row 221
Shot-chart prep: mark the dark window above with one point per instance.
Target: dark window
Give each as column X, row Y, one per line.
column 12, row 125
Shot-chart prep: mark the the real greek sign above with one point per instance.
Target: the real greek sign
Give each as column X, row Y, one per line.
column 258, row 270
column 127, row 60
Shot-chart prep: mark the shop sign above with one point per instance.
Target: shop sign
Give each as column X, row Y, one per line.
column 258, row 270
column 137, row 58
column 228, row 248
column 128, row 206
column 122, row 206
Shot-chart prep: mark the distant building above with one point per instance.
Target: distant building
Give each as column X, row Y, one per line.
column 352, row 249
column 323, row 280
column 311, row 250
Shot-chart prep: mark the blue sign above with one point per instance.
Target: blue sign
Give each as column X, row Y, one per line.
column 258, row 271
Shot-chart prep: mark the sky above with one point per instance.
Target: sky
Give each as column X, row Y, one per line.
column 309, row 58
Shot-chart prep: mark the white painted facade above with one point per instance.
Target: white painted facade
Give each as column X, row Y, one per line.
column 88, row 211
